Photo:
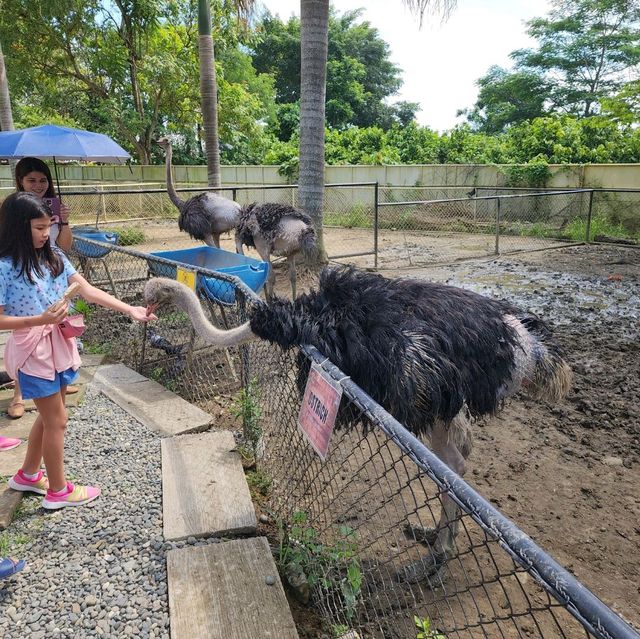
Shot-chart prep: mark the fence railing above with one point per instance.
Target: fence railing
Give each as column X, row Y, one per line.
column 343, row 529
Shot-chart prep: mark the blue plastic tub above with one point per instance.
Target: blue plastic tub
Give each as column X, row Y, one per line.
column 252, row 272
column 91, row 233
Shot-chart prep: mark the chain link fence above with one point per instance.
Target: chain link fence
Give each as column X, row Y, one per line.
column 349, row 524
column 342, row 529
column 386, row 227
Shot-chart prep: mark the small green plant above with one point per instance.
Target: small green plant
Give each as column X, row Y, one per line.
column 259, row 483
column 81, row 306
column 330, row 567
column 156, row 373
column 97, row 349
column 339, row 629
column 423, row 624
column 247, row 408
column 129, row 236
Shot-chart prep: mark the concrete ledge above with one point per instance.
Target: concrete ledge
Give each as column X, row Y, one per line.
column 229, row 590
column 204, row 490
column 149, row 402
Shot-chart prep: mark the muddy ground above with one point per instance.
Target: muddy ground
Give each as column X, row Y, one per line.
column 568, row 474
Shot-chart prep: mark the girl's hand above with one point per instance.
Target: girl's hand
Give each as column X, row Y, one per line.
column 54, row 314
column 141, row 314
column 65, row 211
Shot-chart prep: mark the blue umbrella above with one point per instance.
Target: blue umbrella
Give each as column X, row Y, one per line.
column 60, row 143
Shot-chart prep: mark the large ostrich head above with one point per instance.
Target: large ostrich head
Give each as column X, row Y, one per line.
column 164, row 143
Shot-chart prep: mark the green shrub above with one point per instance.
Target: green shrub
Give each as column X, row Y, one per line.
column 129, row 236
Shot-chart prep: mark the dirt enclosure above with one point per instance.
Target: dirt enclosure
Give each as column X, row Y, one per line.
column 567, row 474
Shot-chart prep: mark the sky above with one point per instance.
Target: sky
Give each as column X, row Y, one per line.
column 441, row 62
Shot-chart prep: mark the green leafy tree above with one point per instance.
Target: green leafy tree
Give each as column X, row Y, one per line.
column 624, row 106
column 360, row 76
column 507, row 97
column 585, row 47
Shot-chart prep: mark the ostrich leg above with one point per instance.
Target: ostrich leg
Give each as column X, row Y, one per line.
column 265, row 256
column 212, row 239
column 452, row 444
column 292, row 274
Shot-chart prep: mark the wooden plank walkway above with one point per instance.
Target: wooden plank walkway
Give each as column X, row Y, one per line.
column 149, row 402
column 204, row 490
column 229, row 590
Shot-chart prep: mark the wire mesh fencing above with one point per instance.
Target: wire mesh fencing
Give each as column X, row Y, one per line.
column 418, row 232
column 382, row 227
column 350, row 530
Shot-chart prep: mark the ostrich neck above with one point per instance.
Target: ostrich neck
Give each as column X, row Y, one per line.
column 173, row 194
column 189, row 303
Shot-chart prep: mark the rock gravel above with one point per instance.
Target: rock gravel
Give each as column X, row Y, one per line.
column 97, row 570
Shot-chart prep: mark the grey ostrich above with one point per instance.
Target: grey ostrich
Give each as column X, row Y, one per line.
column 436, row 357
column 207, row 215
column 275, row 229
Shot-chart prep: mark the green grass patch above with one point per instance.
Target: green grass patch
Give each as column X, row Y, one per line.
column 600, row 225
column 355, row 217
column 10, row 542
column 128, row 236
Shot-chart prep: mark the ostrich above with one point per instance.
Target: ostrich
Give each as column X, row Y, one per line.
column 434, row 356
column 277, row 229
column 207, row 215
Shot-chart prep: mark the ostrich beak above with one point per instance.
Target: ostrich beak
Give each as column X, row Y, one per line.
column 151, row 309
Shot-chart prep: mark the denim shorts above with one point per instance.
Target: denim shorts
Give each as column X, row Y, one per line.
column 35, row 387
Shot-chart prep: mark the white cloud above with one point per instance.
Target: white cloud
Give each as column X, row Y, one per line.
column 442, row 61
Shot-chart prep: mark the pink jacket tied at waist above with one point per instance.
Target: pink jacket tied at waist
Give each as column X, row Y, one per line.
column 41, row 351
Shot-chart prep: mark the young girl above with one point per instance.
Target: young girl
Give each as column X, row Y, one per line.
column 33, row 176
column 33, row 277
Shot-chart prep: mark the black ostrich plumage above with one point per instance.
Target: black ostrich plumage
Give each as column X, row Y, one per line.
column 265, row 219
column 422, row 350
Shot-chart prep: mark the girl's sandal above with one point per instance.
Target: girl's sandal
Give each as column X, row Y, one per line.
column 16, row 409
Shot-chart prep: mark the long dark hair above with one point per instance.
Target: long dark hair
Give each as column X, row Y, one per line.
column 29, row 165
column 16, row 240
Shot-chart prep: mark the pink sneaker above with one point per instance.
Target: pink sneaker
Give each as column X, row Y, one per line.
column 7, row 443
column 73, row 496
column 39, row 485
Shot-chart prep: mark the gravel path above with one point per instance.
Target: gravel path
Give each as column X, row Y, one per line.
column 96, row 570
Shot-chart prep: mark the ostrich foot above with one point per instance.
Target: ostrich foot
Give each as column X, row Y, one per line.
column 424, row 569
column 421, row 534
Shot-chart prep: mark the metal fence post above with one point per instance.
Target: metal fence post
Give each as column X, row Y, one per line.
column 497, row 249
column 587, row 239
column 376, row 196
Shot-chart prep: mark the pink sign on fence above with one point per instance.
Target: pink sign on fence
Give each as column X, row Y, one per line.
column 319, row 409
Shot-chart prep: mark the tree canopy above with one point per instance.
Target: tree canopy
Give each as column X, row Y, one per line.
column 130, row 70
column 360, row 75
column 586, row 51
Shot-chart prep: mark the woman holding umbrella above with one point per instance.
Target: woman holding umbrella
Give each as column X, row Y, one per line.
column 33, row 176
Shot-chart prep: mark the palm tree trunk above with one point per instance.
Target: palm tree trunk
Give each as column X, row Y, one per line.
column 6, row 116
column 314, row 29
column 208, row 93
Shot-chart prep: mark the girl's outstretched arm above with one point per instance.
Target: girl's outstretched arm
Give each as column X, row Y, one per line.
column 97, row 296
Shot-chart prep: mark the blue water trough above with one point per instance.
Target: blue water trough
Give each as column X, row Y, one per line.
column 86, row 249
column 252, row 272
